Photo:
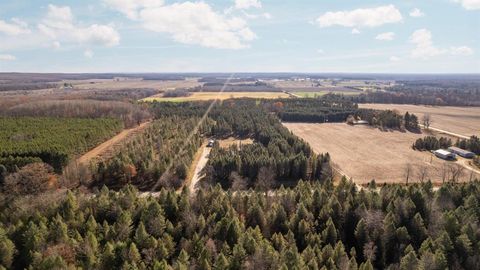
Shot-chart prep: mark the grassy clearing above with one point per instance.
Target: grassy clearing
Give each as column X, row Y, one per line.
column 231, row 141
column 219, row 96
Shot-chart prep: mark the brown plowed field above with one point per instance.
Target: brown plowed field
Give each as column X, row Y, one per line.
column 460, row 120
column 365, row 153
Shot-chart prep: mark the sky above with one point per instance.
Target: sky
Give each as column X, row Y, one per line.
column 351, row 36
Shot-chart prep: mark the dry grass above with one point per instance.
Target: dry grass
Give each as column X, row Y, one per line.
column 366, row 153
column 322, row 93
column 231, row 141
column 136, row 83
column 220, row 96
column 461, row 120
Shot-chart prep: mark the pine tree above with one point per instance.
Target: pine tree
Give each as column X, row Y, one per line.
column 141, row 236
column 69, row 207
column 361, row 237
column 330, row 233
column 133, row 255
column 7, row 250
column 107, row 259
column 221, row 262
column 409, row 261
column 366, row 266
column 204, row 265
column 123, row 226
column 419, row 232
column 182, row 262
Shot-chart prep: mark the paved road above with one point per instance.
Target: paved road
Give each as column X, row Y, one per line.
column 197, row 175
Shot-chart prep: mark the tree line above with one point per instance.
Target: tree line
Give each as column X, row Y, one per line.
column 389, row 119
column 430, row 143
column 438, row 93
column 130, row 114
column 472, row 144
column 310, row 226
column 328, row 108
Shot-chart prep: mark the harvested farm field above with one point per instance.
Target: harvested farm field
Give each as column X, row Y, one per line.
column 461, row 120
column 218, row 95
column 135, row 83
column 365, row 153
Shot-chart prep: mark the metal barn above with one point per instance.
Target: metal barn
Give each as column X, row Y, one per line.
column 461, row 152
column 444, row 154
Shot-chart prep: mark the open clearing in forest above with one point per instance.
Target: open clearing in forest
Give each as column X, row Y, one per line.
column 107, row 148
column 461, row 120
column 219, row 96
column 231, row 141
column 365, row 153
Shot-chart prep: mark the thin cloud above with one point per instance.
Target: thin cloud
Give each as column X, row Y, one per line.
column 363, row 17
column 469, row 4
column 388, row 36
column 59, row 25
column 425, row 49
column 7, row 57
column 246, row 4
column 416, row 13
column 15, row 27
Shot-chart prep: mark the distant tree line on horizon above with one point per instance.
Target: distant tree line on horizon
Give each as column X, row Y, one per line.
column 438, row 93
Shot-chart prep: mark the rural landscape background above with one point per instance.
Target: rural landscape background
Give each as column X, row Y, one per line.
column 239, row 134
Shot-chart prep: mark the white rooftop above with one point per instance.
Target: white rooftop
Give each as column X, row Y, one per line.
column 443, row 152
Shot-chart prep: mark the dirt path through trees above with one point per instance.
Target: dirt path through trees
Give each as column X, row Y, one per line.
column 198, row 175
column 104, row 150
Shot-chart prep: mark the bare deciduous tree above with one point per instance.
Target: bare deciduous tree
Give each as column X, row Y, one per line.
column 265, row 179
column 423, row 173
column 407, row 172
column 238, row 182
column 369, row 251
column 456, row 172
column 444, row 172
column 426, row 120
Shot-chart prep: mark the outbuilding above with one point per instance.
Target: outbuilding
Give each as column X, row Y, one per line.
column 360, row 122
column 461, row 152
column 444, row 154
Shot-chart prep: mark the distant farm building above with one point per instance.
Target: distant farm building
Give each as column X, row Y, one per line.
column 360, row 122
column 461, row 152
column 444, row 154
